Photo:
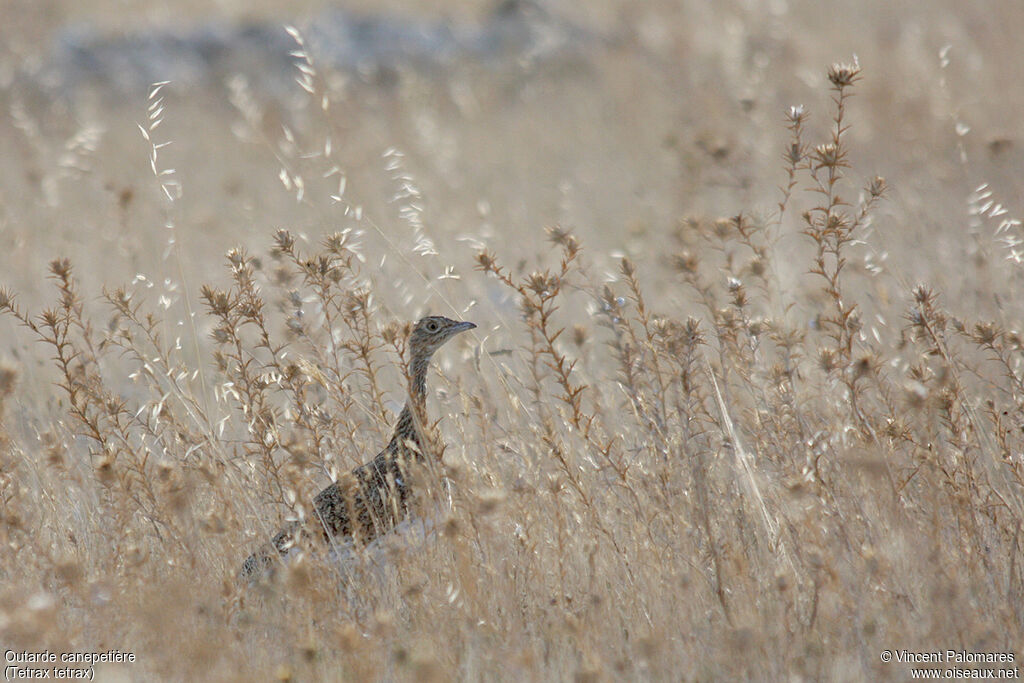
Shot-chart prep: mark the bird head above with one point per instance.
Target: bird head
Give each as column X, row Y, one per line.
column 430, row 334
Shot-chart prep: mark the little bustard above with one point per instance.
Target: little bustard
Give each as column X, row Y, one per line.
column 374, row 497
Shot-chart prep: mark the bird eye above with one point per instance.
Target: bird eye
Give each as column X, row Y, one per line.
column 432, row 326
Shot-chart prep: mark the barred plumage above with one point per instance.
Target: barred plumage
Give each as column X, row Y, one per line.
column 372, row 499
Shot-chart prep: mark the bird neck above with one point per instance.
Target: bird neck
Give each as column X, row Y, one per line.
column 418, row 380
column 415, row 410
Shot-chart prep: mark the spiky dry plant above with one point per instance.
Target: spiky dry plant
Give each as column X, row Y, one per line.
column 757, row 439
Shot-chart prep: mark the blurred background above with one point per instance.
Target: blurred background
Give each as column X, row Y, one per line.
column 613, row 119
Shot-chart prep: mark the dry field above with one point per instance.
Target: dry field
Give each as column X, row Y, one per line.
column 745, row 399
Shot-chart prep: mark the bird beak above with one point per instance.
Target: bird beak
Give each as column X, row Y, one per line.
column 462, row 327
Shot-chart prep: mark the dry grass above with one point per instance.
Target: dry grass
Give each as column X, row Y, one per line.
column 738, row 447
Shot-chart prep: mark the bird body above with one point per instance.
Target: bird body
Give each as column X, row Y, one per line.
column 372, row 499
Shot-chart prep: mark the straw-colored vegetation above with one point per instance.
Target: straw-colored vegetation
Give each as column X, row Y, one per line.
column 737, row 447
